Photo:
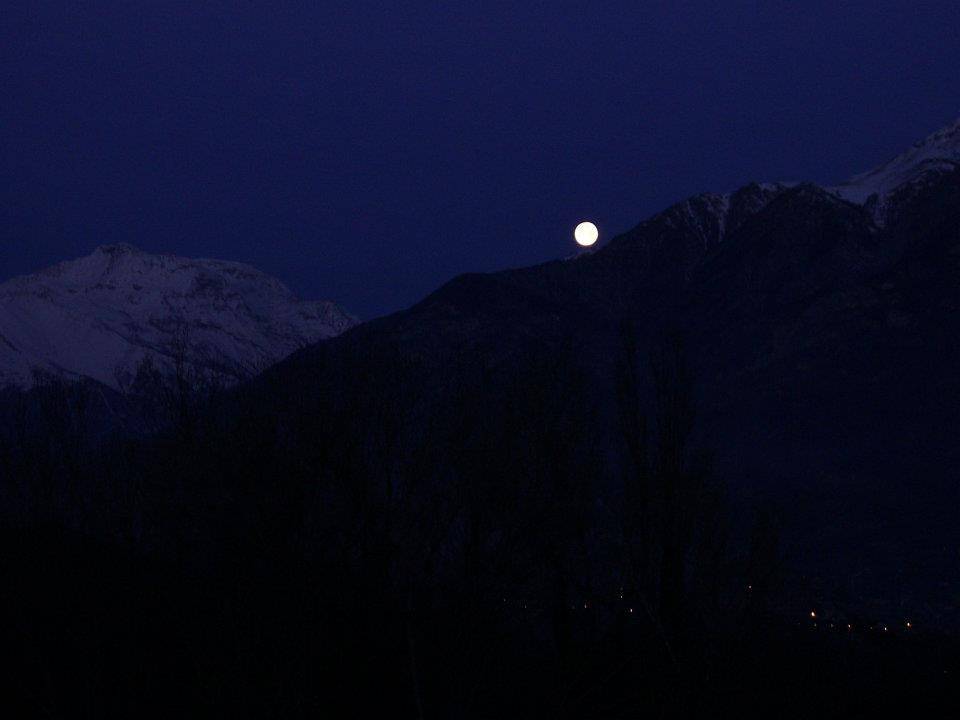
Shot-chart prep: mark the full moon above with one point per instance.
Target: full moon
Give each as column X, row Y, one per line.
column 586, row 234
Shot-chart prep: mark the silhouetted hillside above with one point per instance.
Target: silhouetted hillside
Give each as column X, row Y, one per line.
column 707, row 469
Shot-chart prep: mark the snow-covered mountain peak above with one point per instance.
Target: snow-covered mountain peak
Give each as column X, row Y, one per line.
column 939, row 152
column 712, row 216
column 100, row 315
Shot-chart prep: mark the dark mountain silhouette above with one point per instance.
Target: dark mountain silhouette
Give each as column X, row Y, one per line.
column 707, row 469
column 98, row 317
column 822, row 346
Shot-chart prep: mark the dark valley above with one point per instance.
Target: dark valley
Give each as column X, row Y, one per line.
column 708, row 469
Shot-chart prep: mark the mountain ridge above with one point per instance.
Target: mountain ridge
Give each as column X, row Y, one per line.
column 98, row 316
column 820, row 342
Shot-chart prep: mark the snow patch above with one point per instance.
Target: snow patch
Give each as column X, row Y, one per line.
column 99, row 315
column 939, row 152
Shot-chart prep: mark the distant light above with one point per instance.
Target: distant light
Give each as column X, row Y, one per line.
column 909, row 625
column 813, row 614
column 586, row 234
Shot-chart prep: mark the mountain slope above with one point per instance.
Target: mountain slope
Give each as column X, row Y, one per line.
column 821, row 343
column 882, row 189
column 100, row 315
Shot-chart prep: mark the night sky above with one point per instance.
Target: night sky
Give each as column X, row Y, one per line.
column 367, row 153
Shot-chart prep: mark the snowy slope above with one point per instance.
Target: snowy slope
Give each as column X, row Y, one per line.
column 880, row 190
column 98, row 316
column 712, row 216
column 938, row 153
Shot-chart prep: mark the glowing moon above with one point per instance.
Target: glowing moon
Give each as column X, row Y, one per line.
column 586, row 234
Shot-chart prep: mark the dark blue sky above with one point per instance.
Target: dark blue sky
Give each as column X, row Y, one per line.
column 367, row 153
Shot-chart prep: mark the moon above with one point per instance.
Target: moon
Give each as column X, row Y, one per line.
column 586, row 234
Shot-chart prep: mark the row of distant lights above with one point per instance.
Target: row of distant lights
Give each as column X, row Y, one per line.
column 586, row 605
column 813, row 615
column 908, row 625
column 884, row 628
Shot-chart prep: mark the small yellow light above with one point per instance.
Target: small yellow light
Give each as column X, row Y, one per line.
column 813, row 614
